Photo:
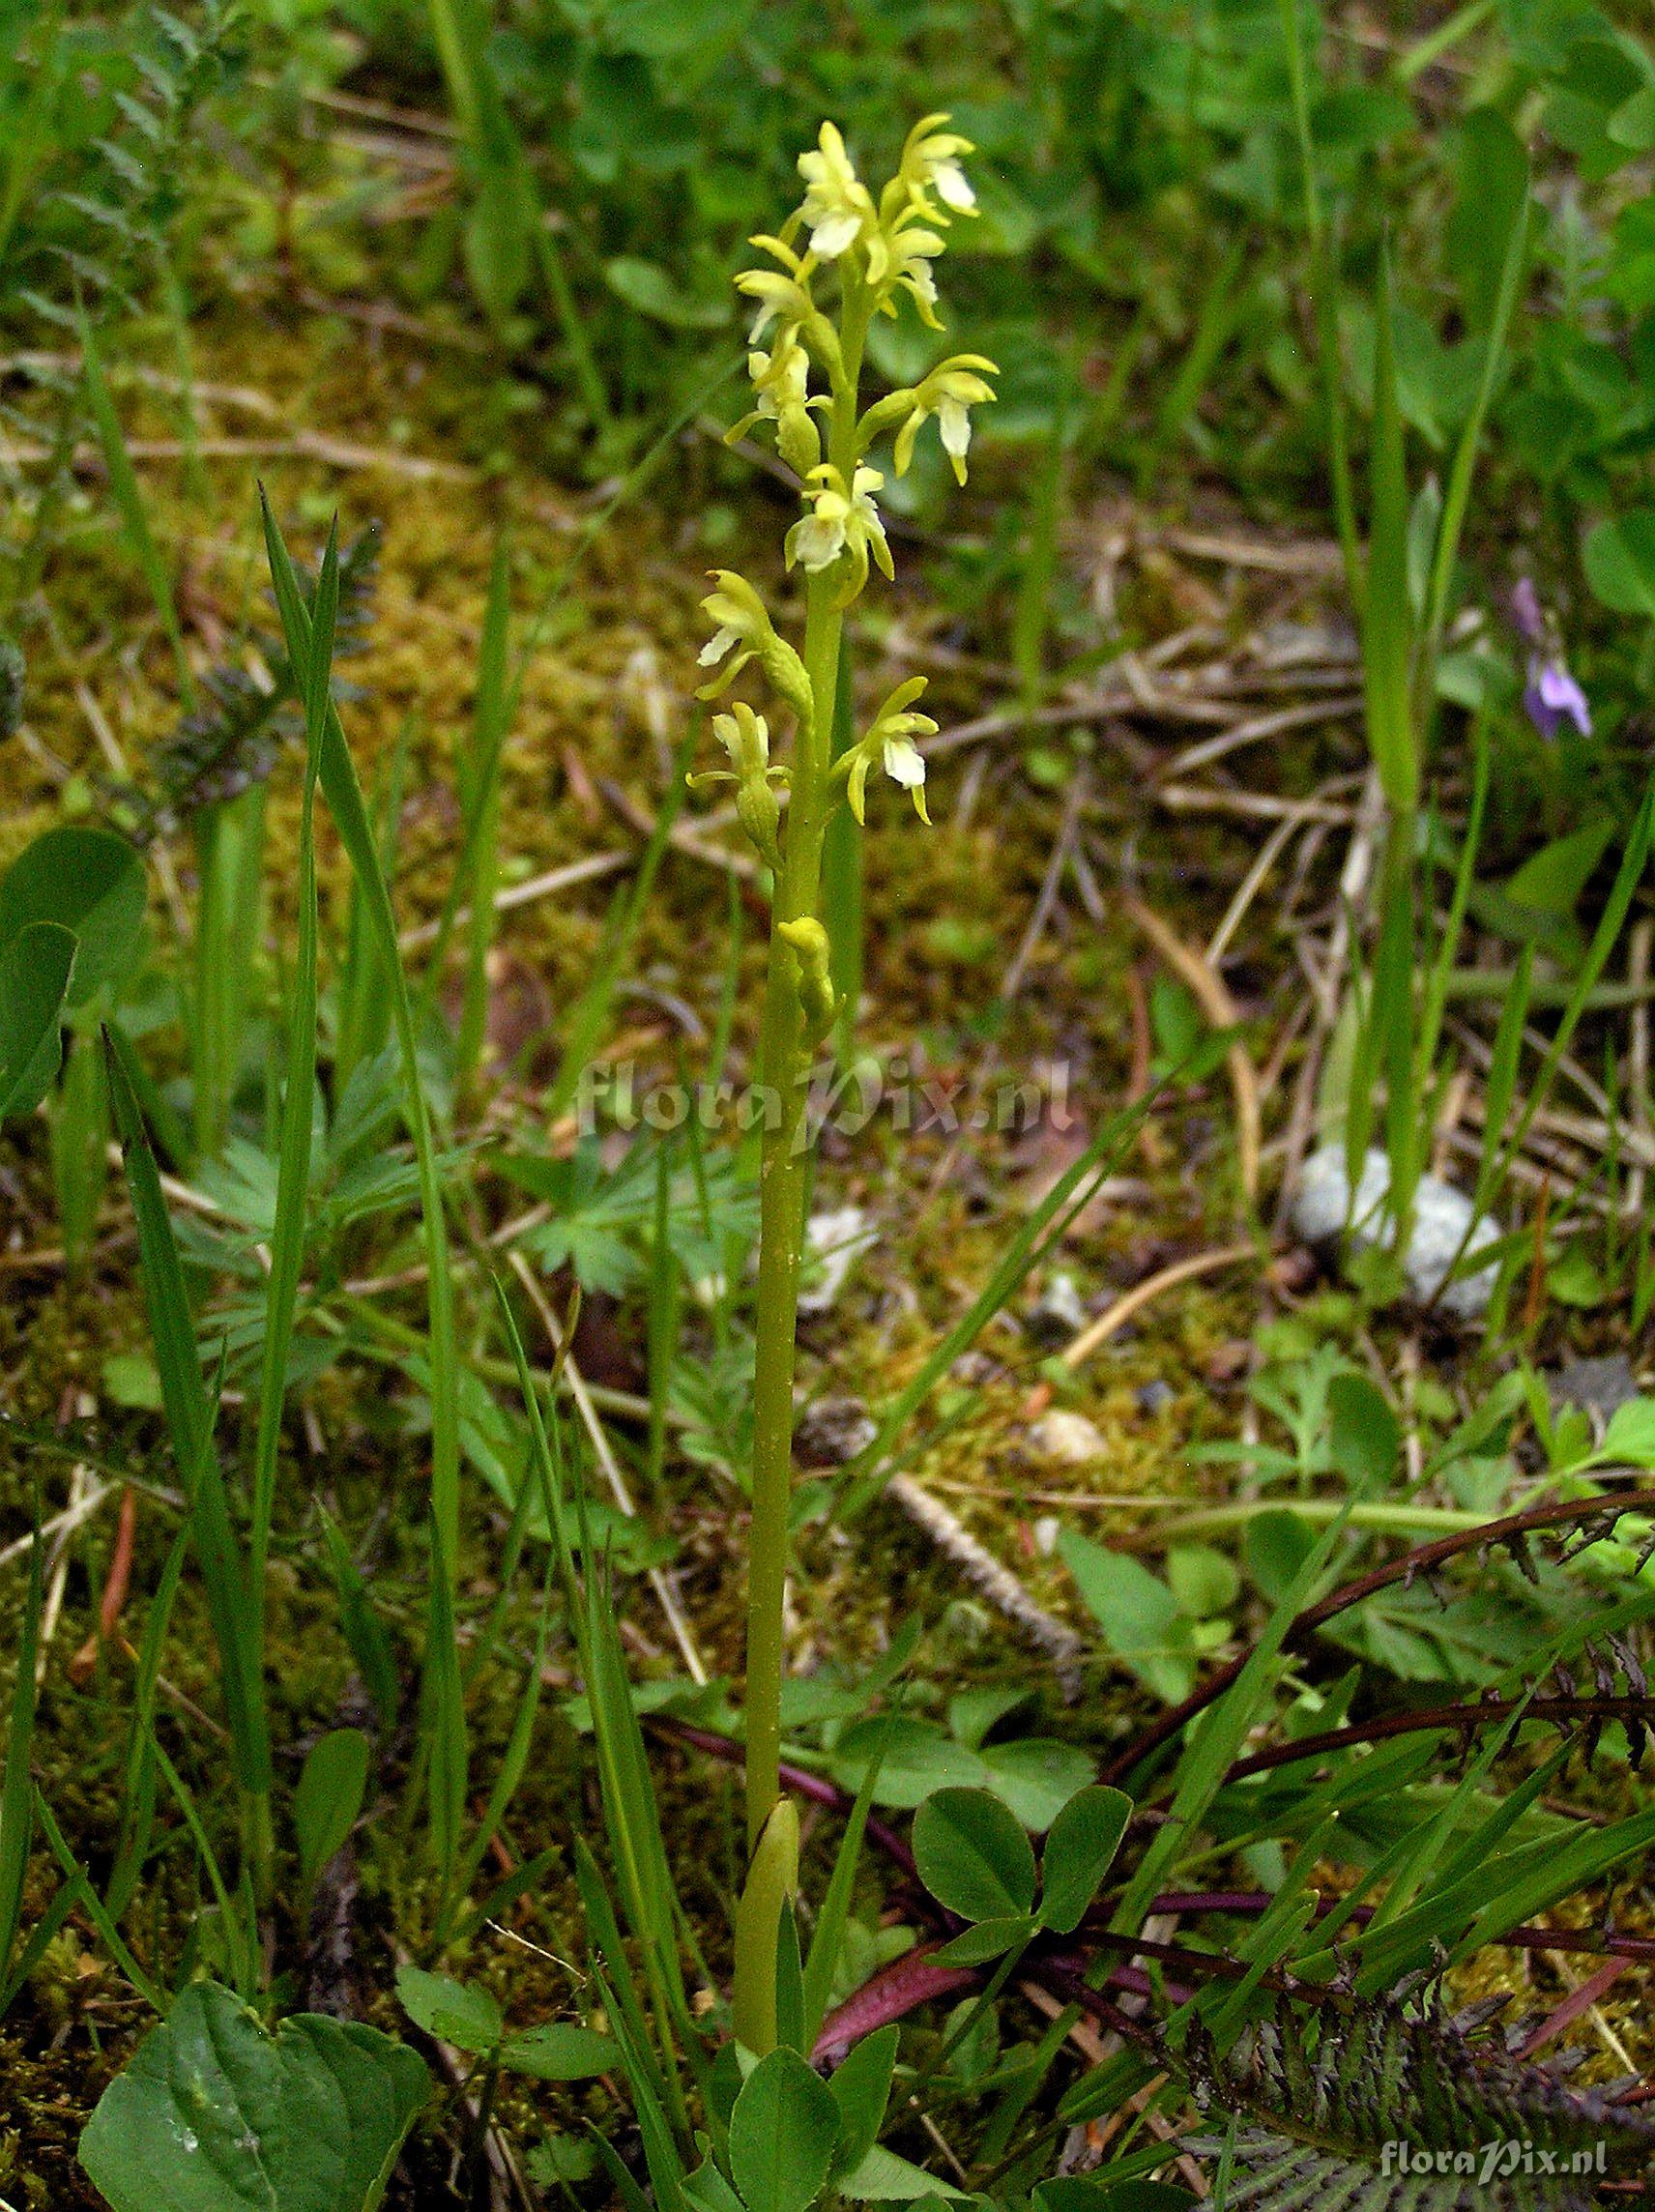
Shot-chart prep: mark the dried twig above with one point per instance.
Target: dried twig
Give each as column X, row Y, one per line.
column 1133, row 1302
column 998, row 1584
column 1212, row 995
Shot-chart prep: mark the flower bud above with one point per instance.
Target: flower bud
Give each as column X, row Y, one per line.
column 745, row 630
column 818, row 1000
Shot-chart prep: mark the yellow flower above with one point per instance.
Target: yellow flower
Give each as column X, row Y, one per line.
column 744, row 632
column 781, row 388
column 891, row 742
column 950, row 392
column 746, row 739
column 931, row 163
column 838, row 208
column 912, row 250
column 842, row 519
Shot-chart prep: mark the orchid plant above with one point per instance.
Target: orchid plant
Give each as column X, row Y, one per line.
column 841, row 258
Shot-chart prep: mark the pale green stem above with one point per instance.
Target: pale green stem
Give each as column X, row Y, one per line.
column 783, row 1171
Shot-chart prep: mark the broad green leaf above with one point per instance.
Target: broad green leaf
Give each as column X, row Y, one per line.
column 988, row 1939
column 973, row 1854
column 453, row 2012
column 35, row 970
column 881, row 2178
column 782, row 2133
column 705, row 2190
column 1137, row 1613
column 1619, row 560
column 1204, row 1581
column 1078, row 1853
column 861, row 2090
column 972, row 1713
column 499, row 240
column 915, row 1758
column 90, row 882
column 329, row 1798
column 1553, row 879
column 1365, row 1435
column 1276, row 1545
column 666, row 29
column 1630, row 1434
column 1492, row 187
column 1037, row 1776
column 214, row 2116
column 656, row 292
column 559, row 2051
column 1633, row 123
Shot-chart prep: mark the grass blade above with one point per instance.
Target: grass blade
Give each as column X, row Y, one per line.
column 17, row 1787
column 1329, row 361
column 481, row 853
column 1387, row 612
column 130, row 502
column 189, row 1420
column 293, row 1176
column 337, row 776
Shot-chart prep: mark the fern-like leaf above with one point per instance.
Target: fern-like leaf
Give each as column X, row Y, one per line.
column 1369, row 2106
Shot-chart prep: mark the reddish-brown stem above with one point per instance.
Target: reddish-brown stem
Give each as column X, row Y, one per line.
column 1418, row 1562
column 1461, row 1720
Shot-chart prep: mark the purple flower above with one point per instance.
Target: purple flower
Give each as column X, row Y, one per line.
column 1550, row 696
column 1525, row 611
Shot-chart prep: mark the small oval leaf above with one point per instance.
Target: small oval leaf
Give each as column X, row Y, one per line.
column 972, row 1856
column 88, row 881
column 329, row 1798
column 559, row 2051
column 782, row 2133
column 1080, row 1852
column 36, row 969
column 453, row 2012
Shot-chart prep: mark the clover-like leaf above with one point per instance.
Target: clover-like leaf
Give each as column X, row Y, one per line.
column 988, row 1939
column 1080, row 1850
column 972, row 1856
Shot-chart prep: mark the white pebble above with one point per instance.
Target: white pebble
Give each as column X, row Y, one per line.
column 1069, row 1438
column 1442, row 1221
